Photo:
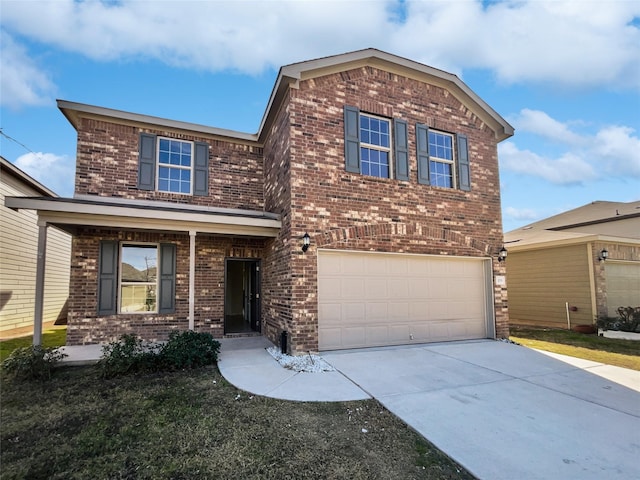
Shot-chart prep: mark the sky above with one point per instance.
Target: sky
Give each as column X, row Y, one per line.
column 565, row 74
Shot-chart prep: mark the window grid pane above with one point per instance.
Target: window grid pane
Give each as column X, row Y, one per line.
column 174, row 171
column 375, row 146
column 441, row 161
column 138, row 278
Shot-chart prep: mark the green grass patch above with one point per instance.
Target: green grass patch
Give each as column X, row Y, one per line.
column 193, row 424
column 55, row 337
column 611, row 351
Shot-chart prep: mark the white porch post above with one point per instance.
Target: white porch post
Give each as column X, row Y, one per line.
column 192, row 278
column 40, row 266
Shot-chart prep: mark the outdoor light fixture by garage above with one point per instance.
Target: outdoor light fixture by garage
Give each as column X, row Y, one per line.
column 306, row 240
column 502, row 254
column 604, row 254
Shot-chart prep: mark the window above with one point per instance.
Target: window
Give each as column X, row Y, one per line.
column 443, row 159
column 368, row 145
column 172, row 165
column 374, row 146
column 441, row 167
column 138, row 278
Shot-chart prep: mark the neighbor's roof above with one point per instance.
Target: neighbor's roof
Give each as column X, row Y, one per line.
column 9, row 168
column 598, row 220
column 290, row 75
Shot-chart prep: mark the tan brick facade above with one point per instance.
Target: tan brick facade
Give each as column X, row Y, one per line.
column 297, row 171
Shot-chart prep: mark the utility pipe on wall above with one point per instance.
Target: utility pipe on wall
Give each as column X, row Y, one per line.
column 566, row 304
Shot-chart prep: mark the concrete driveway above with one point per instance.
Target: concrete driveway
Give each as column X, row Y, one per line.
column 504, row 411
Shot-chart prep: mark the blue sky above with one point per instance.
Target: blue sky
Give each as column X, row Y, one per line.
column 565, row 74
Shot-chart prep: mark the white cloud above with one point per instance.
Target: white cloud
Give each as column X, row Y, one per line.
column 21, row 81
column 619, row 150
column 613, row 151
column 542, row 124
column 565, row 169
column 590, row 44
column 56, row 172
column 521, row 213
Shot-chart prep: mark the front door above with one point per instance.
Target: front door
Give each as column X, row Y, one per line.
column 242, row 296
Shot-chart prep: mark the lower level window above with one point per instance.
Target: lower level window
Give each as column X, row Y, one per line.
column 441, row 161
column 138, row 278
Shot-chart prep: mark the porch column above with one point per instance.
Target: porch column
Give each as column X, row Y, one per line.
column 192, row 278
column 40, row 266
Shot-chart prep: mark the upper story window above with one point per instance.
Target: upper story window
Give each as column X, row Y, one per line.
column 174, row 166
column 375, row 146
column 441, row 165
column 443, row 159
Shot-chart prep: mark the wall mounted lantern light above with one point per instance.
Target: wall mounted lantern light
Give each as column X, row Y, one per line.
column 502, row 254
column 306, row 240
column 604, row 254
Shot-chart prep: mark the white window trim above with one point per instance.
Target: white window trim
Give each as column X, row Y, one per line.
column 380, row 148
column 157, row 283
column 453, row 161
column 180, row 167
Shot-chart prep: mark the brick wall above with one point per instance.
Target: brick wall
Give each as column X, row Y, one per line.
column 107, row 165
column 351, row 211
column 85, row 326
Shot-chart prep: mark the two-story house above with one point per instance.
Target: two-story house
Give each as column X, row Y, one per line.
column 365, row 211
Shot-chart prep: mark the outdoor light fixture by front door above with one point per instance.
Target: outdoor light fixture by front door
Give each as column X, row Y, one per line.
column 306, row 240
column 502, row 254
column 604, row 254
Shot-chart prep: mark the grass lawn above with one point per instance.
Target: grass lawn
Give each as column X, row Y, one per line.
column 55, row 337
column 611, row 351
column 193, row 424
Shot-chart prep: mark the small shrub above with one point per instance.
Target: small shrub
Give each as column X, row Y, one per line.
column 183, row 350
column 189, row 349
column 628, row 320
column 128, row 355
column 32, row 363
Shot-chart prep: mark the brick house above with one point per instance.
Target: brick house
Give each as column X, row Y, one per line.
column 388, row 167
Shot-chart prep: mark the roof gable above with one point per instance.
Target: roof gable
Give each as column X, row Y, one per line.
column 290, row 75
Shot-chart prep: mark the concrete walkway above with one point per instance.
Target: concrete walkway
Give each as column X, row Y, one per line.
column 245, row 363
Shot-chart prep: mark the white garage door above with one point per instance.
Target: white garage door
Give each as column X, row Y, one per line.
column 623, row 286
column 372, row 299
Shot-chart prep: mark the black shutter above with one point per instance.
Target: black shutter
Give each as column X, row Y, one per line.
column 107, row 277
column 352, row 139
column 201, row 169
column 464, row 173
column 147, row 162
column 401, row 149
column 422, row 150
column 167, row 289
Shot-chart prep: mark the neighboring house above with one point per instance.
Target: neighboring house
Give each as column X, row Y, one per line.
column 388, row 166
column 18, row 258
column 558, row 263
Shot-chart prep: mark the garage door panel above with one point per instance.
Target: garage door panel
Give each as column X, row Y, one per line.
column 391, row 299
column 623, row 286
column 353, row 313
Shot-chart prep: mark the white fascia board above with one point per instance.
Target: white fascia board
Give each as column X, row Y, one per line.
column 66, row 106
column 93, row 214
column 563, row 242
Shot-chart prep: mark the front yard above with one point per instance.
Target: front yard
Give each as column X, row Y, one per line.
column 193, row 424
column 611, row 351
